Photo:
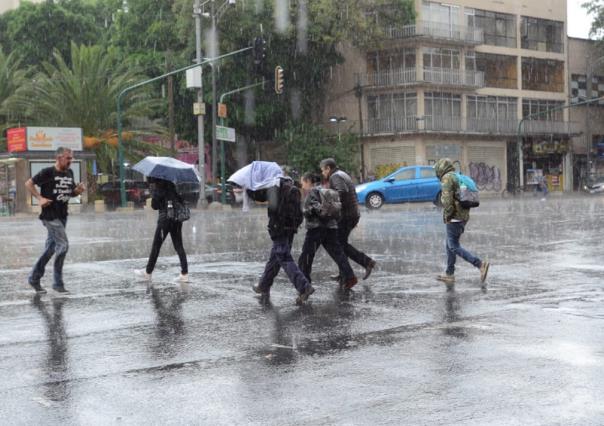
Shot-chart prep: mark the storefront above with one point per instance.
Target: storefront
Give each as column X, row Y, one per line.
column 545, row 161
column 30, row 149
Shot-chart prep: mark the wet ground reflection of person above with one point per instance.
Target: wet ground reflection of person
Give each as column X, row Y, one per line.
column 56, row 366
column 452, row 315
column 170, row 326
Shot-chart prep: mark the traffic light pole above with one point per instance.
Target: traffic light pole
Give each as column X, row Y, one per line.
column 222, row 155
column 127, row 90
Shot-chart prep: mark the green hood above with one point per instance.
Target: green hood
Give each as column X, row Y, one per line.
column 443, row 166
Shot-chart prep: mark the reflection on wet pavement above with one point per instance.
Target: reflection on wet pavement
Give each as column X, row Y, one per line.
column 398, row 349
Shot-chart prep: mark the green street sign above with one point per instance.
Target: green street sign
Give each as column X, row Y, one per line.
column 226, row 134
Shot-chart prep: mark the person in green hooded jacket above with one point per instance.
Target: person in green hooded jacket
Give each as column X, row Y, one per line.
column 455, row 217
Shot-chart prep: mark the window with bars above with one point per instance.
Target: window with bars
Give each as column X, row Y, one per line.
column 540, row 106
column 542, row 34
column 542, row 74
column 436, row 57
column 499, row 70
column 499, row 28
column 391, row 60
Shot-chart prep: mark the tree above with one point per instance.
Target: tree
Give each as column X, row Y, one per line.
column 12, row 76
column 34, row 31
column 83, row 94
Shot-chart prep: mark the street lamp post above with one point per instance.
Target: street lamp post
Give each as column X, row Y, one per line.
column 337, row 120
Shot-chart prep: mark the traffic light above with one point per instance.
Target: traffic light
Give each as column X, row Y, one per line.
column 279, row 80
column 259, row 54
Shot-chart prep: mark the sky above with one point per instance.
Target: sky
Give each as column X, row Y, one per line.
column 578, row 21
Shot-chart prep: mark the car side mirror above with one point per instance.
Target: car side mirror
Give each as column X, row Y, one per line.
column 389, row 180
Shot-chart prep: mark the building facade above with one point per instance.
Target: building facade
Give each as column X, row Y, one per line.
column 586, row 81
column 456, row 83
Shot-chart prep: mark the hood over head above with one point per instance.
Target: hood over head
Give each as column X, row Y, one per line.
column 443, row 166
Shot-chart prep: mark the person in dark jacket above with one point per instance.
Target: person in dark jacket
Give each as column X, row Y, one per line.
column 341, row 182
column 321, row 232
column 164, row 196
column 282, row 227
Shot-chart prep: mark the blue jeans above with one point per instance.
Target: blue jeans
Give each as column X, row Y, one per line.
column 281, row 257
column 57, row 244
column 454, row 249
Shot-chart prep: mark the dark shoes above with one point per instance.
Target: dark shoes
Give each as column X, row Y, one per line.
column 348, row 284
column 368, row 269
column 61, row 290
column 258, row 290
column 37, row 287
column 303, row 297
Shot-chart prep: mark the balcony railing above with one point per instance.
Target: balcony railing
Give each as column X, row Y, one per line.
column 437, row 30
column 542, row 127
column 391, row 125
column 408, row 76
column 400, row 77
column 492, row 126
column 504, row 127
column 453, row 77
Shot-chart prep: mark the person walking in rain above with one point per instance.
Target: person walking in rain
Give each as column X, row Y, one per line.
column 284, row 219
column 167, row 201
column 456, row 219
column 341, row 182
column 322, row 211
column 57, row 186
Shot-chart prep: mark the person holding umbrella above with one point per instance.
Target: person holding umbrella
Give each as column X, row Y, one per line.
column 164, row 174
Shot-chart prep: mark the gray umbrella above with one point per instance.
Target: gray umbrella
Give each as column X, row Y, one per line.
column 168, row 168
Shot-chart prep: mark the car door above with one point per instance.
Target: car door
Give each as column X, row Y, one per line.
column 401, row 186
column 428, row 184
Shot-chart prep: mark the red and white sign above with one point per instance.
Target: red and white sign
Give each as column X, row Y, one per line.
column 16, row 139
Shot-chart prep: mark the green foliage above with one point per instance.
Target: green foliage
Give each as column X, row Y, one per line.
column 81, row 92
column 596, row 9
column 12, row 76
column 307, row 145
column 34, row 31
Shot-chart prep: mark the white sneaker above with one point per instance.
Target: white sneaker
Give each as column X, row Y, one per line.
column 142, row 275
column 183, row 278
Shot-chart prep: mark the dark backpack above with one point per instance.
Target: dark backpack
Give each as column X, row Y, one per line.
column 289, row 210
column 331, row 206
column 177, row 211
column 467, row 194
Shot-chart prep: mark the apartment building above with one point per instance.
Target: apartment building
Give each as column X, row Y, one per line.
column 586, row 74
column 456, row 83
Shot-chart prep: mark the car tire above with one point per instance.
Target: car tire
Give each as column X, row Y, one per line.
column 374, row 201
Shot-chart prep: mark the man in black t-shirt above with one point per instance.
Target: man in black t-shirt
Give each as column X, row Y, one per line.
column 57, row 186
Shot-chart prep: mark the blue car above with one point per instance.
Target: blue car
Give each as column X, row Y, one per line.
column 413, row 183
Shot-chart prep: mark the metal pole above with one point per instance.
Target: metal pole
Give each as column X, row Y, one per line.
column 143, row 83
column 215, row 36
column 120, row 151
column 200, row 130
column 222, row 159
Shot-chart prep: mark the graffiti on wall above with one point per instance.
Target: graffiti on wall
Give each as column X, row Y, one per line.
column 487, row 178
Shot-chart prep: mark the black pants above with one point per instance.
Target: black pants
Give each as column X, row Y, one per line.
column 345, row 227
column 327, row 238
column 174, row 228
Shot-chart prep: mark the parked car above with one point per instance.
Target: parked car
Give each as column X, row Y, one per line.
column 234, row 194
column 595, row 185
column 190, row 192
column 136, row 192
column 412, row 183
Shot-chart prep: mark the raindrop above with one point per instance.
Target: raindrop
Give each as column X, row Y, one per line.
column 302, row 27
column 281, row 15
column 296, row 103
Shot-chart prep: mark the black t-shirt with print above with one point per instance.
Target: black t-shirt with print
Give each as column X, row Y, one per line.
column 56, row 186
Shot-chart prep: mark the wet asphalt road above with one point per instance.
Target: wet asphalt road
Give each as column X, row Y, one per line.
column 399, row 349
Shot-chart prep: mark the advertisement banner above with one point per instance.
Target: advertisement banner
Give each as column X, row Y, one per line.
column 16, row 139
column 51, row 138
